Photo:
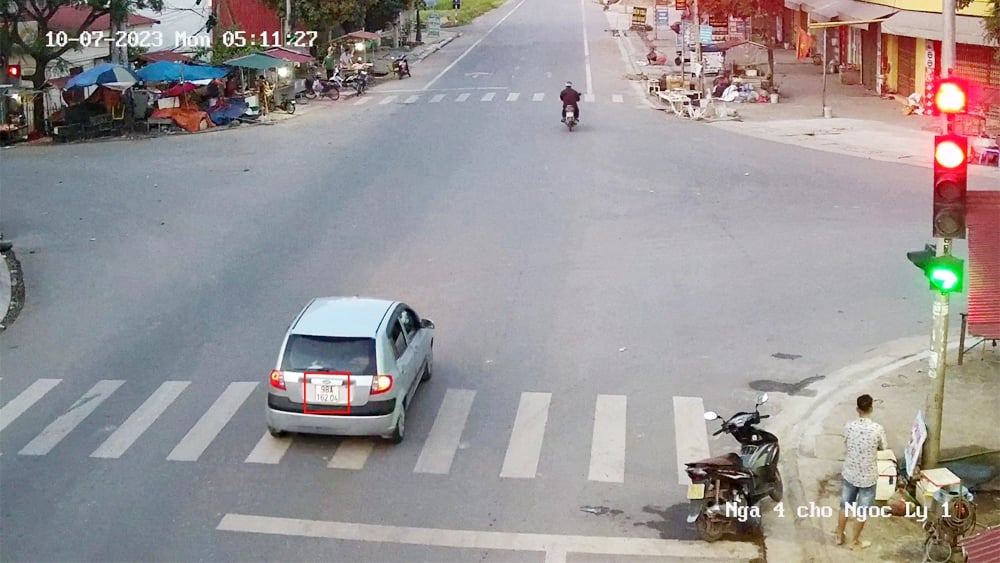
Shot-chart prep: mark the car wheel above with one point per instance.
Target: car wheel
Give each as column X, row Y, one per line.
column 399, row 433
column 275, row 432
column 428, row 371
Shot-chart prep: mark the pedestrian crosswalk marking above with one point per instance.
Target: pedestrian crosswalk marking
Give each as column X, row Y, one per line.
column 537, row 97
column 437, row 98
column 617, row 98
column 462, row 97
column 411, row 99
column 62, row 426
column 525, row 446
column 607, row 449
column 488, row 97
column 352, row 453
column 388, row 100
column 139, row 421
column 269, row 450
column 362, row 101
column 442, row 441
column 692, row 445
column 212, row 422
column 18, row 405
column 513, row 96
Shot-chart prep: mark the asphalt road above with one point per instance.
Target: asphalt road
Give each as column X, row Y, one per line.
column 633, row 261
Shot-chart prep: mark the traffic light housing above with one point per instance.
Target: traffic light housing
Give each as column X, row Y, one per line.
column 950, row 96
column 14, row 72
column 945, row 273
column 951, row 171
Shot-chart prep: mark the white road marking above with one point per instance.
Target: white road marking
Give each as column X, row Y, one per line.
column 586, row 48
column 555, row 556
column 437, row 98
column 513, row 96
column 525, row 446
column 62, row 426
column 411, row 99
column 362, row 101
column 472, row 539
column 442, row 442
column 269, row 450
column 537, row 97
column 18, row 405
column 462, row 97
column 139, row 421
column 488, row 97
column 473, row 46
column 607, row 450
column 617, row 98
column 691, row 432
column 387, row 100
column 588, row 98
column 352, row 453
column 197, row 440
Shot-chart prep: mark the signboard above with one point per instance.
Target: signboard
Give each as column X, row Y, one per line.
column 638, row 16
column 680, row 5
column 917, row 436
column 429, row 4
column 433, row 25
column 662, row 17
column 706, row 34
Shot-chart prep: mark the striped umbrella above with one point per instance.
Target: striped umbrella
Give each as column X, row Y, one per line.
column 107, row 74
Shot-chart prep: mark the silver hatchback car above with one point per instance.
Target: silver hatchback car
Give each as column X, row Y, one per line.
column 350, row 366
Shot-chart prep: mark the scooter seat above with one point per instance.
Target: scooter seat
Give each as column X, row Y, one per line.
column 727, row 460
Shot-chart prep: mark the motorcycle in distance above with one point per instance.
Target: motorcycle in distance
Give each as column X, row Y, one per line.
column 400, row 66
column 570, row 118
column 319, row 88
column 358, row 81
column 725, row 491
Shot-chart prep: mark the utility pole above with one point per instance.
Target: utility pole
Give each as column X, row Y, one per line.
column 939, row 331
column 936, row 370
column 697, row 46
column 288, row 21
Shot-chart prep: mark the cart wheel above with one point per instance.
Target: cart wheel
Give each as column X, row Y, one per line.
column 290, row 108
column 335, row 95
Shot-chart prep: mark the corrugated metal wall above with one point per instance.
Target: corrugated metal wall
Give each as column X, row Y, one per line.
column 983, row 221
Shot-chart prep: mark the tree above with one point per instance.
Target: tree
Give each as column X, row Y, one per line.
column 749, row 9
column 321, row 15
column 34, row 42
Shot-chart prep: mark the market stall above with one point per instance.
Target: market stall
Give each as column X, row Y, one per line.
column 274, row 79
column 101, row 113
column 13, row 115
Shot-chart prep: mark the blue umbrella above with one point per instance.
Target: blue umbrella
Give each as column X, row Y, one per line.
column 106, row 74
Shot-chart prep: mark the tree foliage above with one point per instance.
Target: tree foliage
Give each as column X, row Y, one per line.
column 740, row 8
column 321, row 15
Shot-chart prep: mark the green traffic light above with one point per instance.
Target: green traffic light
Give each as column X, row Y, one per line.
column 944, row 280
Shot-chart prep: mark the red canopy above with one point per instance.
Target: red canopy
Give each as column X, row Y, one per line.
column 288, row 55
column 179, row 89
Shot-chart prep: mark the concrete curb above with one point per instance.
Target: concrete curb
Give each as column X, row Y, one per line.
column 11, row 288
column 798, row 426
column 437, row 47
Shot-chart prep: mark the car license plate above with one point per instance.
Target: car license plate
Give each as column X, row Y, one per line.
column 696, row 491
column 327, row 393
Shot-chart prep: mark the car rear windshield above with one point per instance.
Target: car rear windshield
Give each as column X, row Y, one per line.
column 325, row 353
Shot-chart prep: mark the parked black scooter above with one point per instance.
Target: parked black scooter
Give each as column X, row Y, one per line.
column 400, row 66
column 725, row 491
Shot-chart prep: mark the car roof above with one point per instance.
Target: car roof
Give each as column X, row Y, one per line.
column 357, row 317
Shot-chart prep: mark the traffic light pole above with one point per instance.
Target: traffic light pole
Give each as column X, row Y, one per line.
column 947, row 50
column 936, row 370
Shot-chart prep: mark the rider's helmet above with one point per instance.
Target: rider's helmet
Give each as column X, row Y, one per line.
column 569, row 84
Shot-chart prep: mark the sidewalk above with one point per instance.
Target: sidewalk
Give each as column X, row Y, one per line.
column 863, row 124
column 812, row 448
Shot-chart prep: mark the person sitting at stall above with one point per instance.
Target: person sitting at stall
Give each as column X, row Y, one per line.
column 651, row 57
column 345, row 59
column 720, row 84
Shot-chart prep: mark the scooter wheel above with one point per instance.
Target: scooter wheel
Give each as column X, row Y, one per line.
column 779, row 488
column 708, row 530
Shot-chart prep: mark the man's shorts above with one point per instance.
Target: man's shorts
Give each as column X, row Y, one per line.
column 861, row 496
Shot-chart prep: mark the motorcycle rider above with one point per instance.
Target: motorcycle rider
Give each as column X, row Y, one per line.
column 570, row 99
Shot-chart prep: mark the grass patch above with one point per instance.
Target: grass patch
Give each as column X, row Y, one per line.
column 471, row 9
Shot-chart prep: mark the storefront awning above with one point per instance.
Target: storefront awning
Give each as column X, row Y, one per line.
column 846, row 10
column 968, row 30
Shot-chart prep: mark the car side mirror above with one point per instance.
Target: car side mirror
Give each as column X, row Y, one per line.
column 711, row 415
column 427, row 323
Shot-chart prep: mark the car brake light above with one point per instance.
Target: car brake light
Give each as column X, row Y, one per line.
column 277, row 379
column 381, row 384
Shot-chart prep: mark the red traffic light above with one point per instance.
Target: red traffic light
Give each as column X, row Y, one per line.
column 948, row 153
column 951, row 95
column 13, row 71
